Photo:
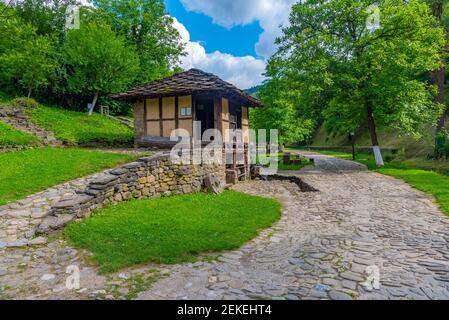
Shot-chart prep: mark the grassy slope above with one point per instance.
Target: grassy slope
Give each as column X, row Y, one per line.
column 388, row 138
column 78, row 128
column 427, row 181
column 173, row 229
column 25, row 172
column 12, row 137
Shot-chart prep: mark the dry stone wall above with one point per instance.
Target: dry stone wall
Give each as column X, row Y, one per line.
column 148, row 177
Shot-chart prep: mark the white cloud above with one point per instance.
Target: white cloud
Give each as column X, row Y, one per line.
column 228, row 13
column 244, row 72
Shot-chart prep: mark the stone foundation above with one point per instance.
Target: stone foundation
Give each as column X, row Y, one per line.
column 148, row 177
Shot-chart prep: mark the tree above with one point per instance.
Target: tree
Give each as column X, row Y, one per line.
column 280, row 111
column 32, row 65
column 26, row 57
column 97, row 61
column 353, row 71
column 440, row 11
column 146, row 26
column 47, row 16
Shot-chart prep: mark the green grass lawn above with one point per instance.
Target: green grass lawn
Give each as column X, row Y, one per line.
column 431, row 182
column 78, row 128
column 172, row 229
column 23, row 173
column 12, row 137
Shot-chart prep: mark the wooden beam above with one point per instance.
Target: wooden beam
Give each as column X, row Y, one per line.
column 193, row 108
column 145, row 125
column 161, row 130
column 218, row 113
column 176, row 112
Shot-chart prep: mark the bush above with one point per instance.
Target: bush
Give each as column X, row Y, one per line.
column 442, row 145
column 389, row 158
column 28, row 103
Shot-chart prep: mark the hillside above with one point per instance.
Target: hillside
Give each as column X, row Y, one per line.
column 407, row 150
column 10, row 137
column 77, row 128
column 388, row 138
column 68, row 127
column 253, row 90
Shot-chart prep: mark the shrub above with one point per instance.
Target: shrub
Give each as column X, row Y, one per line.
column 389, row 158
column 28, row 103
column 442, row 145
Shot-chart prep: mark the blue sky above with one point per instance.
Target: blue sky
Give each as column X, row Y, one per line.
column 237, row 40
column 231, row 38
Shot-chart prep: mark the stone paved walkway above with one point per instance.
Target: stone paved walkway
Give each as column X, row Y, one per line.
column 19, row 220
column 320, row 249
column 325, row 241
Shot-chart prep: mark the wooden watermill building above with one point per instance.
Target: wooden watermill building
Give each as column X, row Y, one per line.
column 175, row 102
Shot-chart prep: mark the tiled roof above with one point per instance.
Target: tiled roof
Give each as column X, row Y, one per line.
column 192, row 81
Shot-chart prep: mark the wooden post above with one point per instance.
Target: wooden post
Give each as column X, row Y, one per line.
column 161, row 130
column 352, row 138
column 176, row 112
column 145, row 122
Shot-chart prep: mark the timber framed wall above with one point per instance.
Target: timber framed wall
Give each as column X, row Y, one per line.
column 157, row 117
column 226, row 122
column 162, row 115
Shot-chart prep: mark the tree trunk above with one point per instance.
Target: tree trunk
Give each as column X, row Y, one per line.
column 94, row 102
column 29, row 92
column 373, row 134
column 437, row 8
column 439, row 81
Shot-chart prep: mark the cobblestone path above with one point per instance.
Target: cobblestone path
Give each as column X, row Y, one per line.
column 360, row 226
column 328, row 243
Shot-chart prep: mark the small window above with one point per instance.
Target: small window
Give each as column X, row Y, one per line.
column 186, row 111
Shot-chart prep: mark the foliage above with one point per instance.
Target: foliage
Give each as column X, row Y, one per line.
column 98, row 61
column 78, row 128
column 136, row 43
column 172, row 229
column 23, row 173
column 280, row 111
column 344, row 71
column 12, row 137
column 442, row 144
column 47, row 16
column 149, row 29
column 4, row 97
column 25, row 56
column 22, row 102
column 34, row 65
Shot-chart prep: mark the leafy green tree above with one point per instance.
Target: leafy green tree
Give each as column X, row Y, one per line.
column 47, row 16
column 26, row 57
column 352, row 70
column 440, row 9
column 32, row 65
column 97, row 61
column 146, row 26
column 281, row 111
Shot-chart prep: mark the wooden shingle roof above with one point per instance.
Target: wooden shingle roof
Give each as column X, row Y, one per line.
column 188, row 82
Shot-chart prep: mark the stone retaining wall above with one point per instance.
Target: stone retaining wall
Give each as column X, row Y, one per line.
column 148, row 177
